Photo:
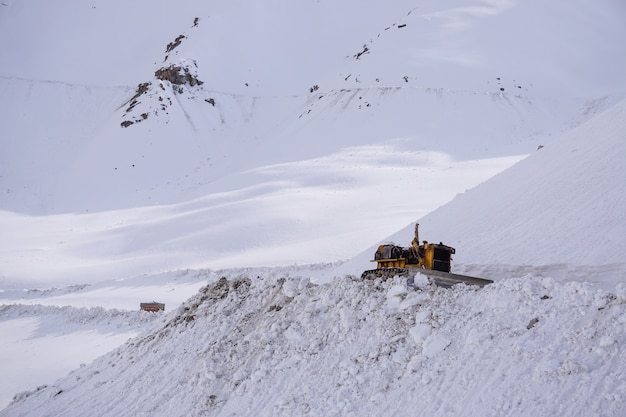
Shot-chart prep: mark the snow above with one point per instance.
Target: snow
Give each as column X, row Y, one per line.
column 52, row 340
column 558, row 213
column 268, row 345
column 251, row 204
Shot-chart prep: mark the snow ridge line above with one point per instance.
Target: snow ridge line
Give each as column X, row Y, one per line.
column 73, row 85
column 78, row 315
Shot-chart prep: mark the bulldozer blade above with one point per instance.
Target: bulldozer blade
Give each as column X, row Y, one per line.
column 439, row 278
column 446, row 279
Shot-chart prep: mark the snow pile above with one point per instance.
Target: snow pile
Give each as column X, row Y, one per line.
column 273, row 346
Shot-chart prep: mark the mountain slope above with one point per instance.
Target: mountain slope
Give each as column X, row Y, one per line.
column 562, row 204
column 412, row 70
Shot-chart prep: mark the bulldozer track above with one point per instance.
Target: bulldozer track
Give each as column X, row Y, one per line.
column 385, row 273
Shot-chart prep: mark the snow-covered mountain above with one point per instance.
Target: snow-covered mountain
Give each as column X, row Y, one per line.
column 306, row 114
column 146, row 147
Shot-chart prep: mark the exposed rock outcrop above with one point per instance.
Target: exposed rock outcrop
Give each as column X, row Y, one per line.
column 177, row 75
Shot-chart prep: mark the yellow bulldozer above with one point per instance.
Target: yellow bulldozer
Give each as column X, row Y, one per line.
column 431, row 259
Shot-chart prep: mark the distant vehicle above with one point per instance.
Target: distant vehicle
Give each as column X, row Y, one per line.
column 431, row 259
column 153, row 306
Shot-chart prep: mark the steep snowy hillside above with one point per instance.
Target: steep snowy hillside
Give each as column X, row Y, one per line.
column 270, row 346
column 565, row 203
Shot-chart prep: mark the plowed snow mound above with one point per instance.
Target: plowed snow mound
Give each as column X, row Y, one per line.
column 271, row 346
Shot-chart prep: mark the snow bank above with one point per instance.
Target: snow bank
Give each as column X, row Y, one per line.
column 272, row 346
column 41, row 343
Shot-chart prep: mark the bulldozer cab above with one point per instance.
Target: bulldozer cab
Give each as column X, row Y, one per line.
column 437, row 256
